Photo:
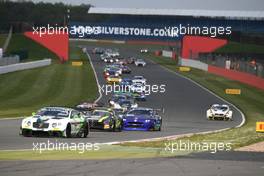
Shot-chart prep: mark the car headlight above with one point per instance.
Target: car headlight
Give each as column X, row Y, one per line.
column 228, row 113
column 147, row 120
column 120, row 80
column 28, row 123
column 54, row 125
column 124, row 120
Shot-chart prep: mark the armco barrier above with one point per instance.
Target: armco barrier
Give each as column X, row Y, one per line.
column 9, row 60
column 169, row 54
column 166, row 53
column 193, row 63
column 238, row 76
column 24, row 66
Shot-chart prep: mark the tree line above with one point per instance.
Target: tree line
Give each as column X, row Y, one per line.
column 25, row 14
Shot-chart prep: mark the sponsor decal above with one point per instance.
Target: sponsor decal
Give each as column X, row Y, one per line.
column 77, row 64
column 185, row 69
column 233, row 91
column 260, row 126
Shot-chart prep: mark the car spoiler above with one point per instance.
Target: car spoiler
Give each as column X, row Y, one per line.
column 162, row 110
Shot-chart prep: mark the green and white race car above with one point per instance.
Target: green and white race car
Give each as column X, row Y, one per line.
column 55, row 121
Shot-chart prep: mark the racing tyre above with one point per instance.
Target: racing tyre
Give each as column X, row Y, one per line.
column 119, row 129
column 114, row 126
column 86, row 130
column 160, row 126
column 26, row 133
column 67, row 132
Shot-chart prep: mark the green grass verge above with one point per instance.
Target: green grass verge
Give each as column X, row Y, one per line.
column 251, row 102
column 105, row 152
column 35, row 51
column 23, row 92
column 235, row 47
column 3, row 39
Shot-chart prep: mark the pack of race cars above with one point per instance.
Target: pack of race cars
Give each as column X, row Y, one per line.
column 121, row 112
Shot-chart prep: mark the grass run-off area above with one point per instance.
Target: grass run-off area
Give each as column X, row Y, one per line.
column 251, row 102
column 2, row 39
column 35, row 51
column 242, row 48
column 24, row 92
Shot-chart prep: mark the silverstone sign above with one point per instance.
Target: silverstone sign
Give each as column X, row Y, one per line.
column 95, row 31
column 142, row 31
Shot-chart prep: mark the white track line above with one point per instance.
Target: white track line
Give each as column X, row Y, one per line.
column 172, row 136
column 209, row 91
column 11, row 118
column 96, row 78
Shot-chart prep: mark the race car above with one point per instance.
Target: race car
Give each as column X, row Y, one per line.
column 109, row 59
column 219, row 112
column 144, row 51
column 142, row 119
column 125, row 84
column 140, row 96
column 118, row 96
column 56, row 121
column 86, row 106
column 139, row 79
column 114, row 67
column 140, row 62
column 98, row 51
column 113, row 79
column 124, row 104
column 129, row 60
column 110, row 72
column 112, row 53
column 138, row 87
column 125, row 69
column 105, row 119
column 104, row 56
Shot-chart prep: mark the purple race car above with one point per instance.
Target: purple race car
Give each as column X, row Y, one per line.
column 142, row 119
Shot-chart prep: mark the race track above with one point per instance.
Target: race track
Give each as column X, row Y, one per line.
column 185, row 104
column 199, row 164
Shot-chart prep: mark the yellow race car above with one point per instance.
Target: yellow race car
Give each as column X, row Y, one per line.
column 113, row 79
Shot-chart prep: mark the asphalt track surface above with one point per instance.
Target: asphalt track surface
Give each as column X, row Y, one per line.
column 184, row 102
column 200, row 164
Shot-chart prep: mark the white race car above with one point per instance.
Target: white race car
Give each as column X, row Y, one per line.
column 139, row 79
column 140, row 62
column 144, row 51
column 124, row 104
column 221, row 112
column 138, row 87
column 56, row 121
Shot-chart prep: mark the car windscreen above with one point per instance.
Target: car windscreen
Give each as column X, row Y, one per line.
column 222, row 108
column 55, row 113
column 99, row 113
column 125, row 103
column 140, row 112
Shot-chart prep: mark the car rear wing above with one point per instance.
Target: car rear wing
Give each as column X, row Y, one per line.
column 162, row 110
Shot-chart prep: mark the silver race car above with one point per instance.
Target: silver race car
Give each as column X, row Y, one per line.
column 219, row 112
